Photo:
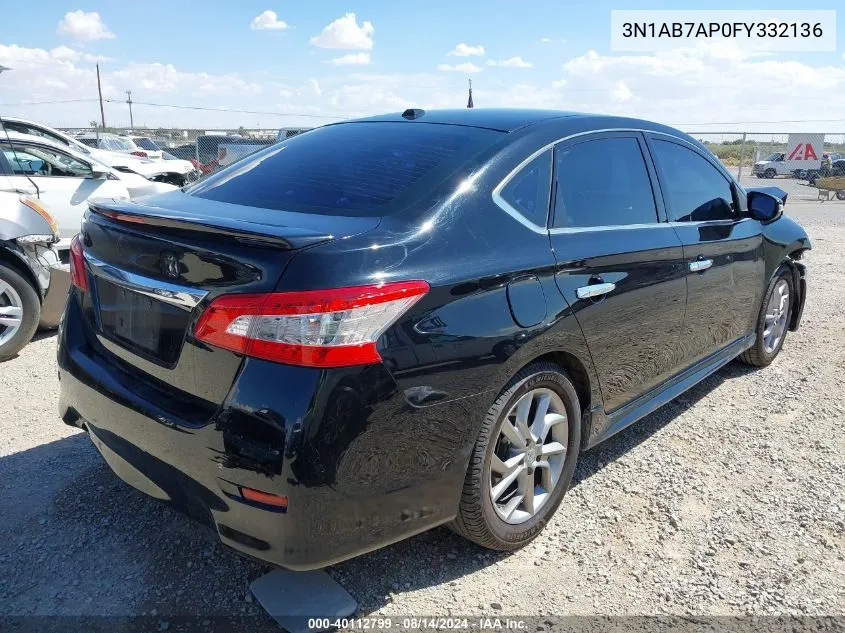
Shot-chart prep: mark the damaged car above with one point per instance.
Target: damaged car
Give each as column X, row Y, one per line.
column 64, row 179
column 33, row 280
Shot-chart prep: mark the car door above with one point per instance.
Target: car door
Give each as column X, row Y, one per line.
column 618, row 262
column 723, row 247
column 63, row 182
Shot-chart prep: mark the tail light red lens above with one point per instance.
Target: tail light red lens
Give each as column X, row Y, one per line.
column 77, row 265
column 266, row 498
column 314, row 328
column 139, row 153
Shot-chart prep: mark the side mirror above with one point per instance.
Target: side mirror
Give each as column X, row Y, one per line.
column 764, row 207
column 99, row 172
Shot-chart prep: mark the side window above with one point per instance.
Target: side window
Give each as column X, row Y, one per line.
column 603, row 182
column 32, row 160
column 23, row 163
column 695, row 190
column 23, row 128
column 529, row 190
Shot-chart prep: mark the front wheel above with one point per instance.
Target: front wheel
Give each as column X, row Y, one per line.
column 20, row 309
column 769, row 173
column 840, row 195
column 772, row 322
column 523, row 460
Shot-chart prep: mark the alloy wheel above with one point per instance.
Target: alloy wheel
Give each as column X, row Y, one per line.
column 11, row 312
column 777, row 312
column 528, row 455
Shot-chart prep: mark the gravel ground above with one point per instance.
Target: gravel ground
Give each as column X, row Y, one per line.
column 728, row 501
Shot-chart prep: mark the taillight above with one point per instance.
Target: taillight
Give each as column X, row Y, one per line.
column 41, row 210
column 314, row 328
column 77, row 265
column 139, row 153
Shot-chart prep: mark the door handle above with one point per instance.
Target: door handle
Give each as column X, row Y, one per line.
column 594, row 290
column 700, row 265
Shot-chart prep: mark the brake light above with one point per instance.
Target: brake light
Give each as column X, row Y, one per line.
column 77, row 265
column 139, row 153
column 314, row 328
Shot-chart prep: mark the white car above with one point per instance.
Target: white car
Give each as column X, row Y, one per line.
column 65, row 179
column 145, row 145
column 177, row 172
column 140, row 146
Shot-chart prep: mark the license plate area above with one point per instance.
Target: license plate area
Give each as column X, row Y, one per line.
column 154, row 329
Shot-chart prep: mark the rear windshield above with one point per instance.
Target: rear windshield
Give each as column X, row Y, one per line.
column 347, row 169
column 145, row 143
column 116, row 144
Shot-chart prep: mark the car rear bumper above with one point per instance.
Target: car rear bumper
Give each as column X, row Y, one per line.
column 359, row 466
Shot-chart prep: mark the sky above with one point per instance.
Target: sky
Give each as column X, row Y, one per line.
column 305, row 63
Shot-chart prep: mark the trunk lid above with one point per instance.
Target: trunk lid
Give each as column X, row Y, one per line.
column 154, row 264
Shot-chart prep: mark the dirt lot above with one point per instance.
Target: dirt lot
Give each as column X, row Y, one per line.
column 730, row 500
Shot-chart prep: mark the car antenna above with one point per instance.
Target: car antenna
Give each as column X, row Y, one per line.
column 413, row 113
column 12, row 147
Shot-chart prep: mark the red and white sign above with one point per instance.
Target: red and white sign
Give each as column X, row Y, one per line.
column 804, row 151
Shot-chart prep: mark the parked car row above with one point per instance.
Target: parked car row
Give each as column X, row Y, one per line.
column 46, row 182
column 117, row 152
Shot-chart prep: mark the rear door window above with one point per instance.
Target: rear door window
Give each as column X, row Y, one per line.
column 33, row 160
column 364, row 168
column 602, row 182
column 25, row 128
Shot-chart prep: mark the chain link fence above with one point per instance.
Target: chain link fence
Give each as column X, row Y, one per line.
column 755, row 155
column 207, row 150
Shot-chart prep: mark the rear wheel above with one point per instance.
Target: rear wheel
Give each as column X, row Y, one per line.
column 20, row 310
column 840, row 195
column 523, row 460
column 772, row 322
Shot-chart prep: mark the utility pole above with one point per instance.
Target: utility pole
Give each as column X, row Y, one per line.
column 129, row 101
column 470, row 104
column 100, row 92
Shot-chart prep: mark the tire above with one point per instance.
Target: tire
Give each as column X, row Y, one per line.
column 16, row 292
column 769, row 173
column 762, row 353
column 840, row 195
column 479, row 519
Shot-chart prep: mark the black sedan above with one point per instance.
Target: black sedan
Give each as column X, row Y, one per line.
column 417, row 319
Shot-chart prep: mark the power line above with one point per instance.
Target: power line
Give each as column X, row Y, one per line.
column 322, row 116
column 236, row 111
column 763, row 122
column 23, row 103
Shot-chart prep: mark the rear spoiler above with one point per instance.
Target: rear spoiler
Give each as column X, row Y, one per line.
column 286, row 237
